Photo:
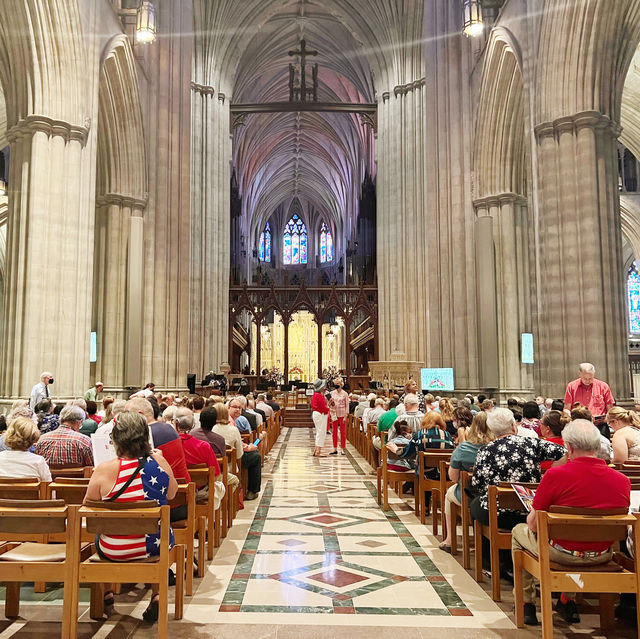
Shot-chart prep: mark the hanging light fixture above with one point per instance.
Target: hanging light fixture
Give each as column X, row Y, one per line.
column 146, row 24
column 330, row 335
column 3, row 187
column 473, row 24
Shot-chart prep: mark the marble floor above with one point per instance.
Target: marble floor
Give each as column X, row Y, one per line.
column 315, row 556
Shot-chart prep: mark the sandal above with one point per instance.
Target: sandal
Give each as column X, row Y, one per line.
column 151, row 613
column 445, row 547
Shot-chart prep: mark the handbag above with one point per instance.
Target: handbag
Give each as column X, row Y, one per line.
column 134, row 474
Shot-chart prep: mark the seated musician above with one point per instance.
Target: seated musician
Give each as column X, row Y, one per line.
column 584, row 482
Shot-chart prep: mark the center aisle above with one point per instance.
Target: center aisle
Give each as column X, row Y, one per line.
column 316, row 549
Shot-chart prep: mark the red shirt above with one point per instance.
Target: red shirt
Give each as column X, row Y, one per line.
column 585, row 482
column 198, row 452
column 545, row 465
column 319, row 403
column 597, row 397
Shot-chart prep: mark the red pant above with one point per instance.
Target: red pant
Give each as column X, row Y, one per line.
column 340, row 421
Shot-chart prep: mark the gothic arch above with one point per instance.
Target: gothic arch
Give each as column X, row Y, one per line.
column 121, row 145
column 499, row 149
column 585, row 49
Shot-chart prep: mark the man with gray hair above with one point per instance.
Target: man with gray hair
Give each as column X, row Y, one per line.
column 41, row 390
column 65, row 446
column 589, row 391
column 509, row 458
column 584, row 482
column 411, row 415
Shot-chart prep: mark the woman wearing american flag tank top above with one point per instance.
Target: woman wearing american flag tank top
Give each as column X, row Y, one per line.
column 152, row 480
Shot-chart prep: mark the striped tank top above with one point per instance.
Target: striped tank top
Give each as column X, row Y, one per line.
column 152, row 482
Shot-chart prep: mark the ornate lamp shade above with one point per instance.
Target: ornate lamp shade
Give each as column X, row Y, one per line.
column 473, row 25
column 146, row 24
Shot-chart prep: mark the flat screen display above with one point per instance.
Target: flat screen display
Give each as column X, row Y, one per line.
column 93, row 348
column 436, row 379
column 527, row 348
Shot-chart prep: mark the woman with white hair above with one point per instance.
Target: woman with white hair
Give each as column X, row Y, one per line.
column 319, row 415
column 509, row 458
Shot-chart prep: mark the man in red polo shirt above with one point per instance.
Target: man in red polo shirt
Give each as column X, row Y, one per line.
column 583, row 482
column 588, row 391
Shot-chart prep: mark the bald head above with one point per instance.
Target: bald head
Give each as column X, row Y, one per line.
column 142, row 406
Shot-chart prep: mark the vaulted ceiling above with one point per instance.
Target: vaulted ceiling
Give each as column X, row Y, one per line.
column 321, row 158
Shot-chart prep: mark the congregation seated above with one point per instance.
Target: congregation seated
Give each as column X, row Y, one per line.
column 464, row 458
column 551, row 426
column 91, row 422
column 47, row 419
column 272, row 403
column 412, row 415
column 626, row 434
column 509, row 458
column 153, row 479
column 247, row 453
column 112, row 411
column 196, row 451
column 164, row 436
column 531, row 417
column 411, row 388
column 606, row 449
column 17, row 460
column 237, row 418
column 396, row 446
column 462, row 418
column 205, row 433
column 375, row 411
column 20, row 408
column 446, row 408
column 261, row 404
column 65, row 446
column 583, row 482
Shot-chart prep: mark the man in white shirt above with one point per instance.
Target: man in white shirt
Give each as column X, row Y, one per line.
column 262, row 405
column 41, row 390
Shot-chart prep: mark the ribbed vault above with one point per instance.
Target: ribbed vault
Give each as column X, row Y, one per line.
column 320, row 158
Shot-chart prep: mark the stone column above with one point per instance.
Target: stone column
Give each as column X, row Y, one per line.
column 118, row 282
column 502, row 262
column 210, row 227
column 47, row 313
column 319, row 347
column 258, row 361
column 582, row 317
column 401, row 237
column 167, row 241
column 285, row 372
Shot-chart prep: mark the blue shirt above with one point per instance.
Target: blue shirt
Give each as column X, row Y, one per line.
column 464, row 458
column 243, row 424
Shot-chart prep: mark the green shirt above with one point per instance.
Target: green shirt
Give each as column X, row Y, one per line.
column 88, row 427
column 386, row 420
column 91, row 395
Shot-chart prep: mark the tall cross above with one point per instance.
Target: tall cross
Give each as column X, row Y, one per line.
column 303, row 53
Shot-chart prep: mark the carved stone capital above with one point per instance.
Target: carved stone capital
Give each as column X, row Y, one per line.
column 573, row 123
column 124, row 201
column 53, row 128
column 403, row 89
column 202, row 89
column 498, row 200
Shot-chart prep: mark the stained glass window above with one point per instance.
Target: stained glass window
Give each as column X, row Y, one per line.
column 264, row 248
column 633, row 293
column 294, row 241
column 326, row 244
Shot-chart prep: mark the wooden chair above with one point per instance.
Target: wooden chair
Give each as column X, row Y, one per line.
column 184, row 530
column 499, row 497
column 202, row 475
column 464, row 514
column 622, row 574
column 232, row 461
column 372, row 431
column 429, row 460
column 133, row 518
column 70, row 489
column 22, row 488
column 395, row 477
column 33, row 561
column 70, row 471
column 222, row 514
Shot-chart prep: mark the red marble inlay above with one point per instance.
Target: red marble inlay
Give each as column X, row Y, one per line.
column 230, row 608
column 240, row 575
column 460, row 612
column 399, row 578
column 326, row 519
column 337, row 577
column 436, row 578
column 342, row 597
column 344, row 610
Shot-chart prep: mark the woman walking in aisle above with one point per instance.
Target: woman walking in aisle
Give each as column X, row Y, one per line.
column 320, row 415
column 340, row 400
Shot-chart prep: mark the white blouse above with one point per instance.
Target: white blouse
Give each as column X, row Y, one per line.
column 22, row 463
